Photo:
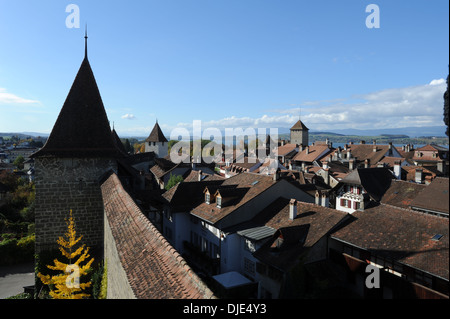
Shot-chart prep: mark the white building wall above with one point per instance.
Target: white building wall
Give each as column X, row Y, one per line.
column 161, row 149
column 230, row 253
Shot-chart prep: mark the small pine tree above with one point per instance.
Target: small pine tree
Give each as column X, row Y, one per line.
column 66, row 285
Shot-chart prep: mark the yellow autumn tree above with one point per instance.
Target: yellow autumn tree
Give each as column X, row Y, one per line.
column 66, row 285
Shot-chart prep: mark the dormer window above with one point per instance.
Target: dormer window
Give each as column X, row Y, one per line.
column 207, row 198
column 219, row 201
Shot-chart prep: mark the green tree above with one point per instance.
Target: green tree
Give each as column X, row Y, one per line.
column 173, row 180
column 19, row 162
column 127, row 146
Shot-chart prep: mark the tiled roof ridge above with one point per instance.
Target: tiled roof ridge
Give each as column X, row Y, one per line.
column 137, row 261
column 412, row 211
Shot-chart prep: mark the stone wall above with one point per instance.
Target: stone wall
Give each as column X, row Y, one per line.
column 69, row 184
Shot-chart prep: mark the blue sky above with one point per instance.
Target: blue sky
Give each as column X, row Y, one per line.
column 233, row 63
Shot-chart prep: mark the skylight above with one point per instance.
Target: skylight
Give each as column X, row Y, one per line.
column 437, row 237
column 254, row 183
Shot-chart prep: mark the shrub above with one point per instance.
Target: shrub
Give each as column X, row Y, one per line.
column 14, row 251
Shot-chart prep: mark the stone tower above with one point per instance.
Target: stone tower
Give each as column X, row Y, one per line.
column 156, row 142
column 299, row 134
column 69, row 167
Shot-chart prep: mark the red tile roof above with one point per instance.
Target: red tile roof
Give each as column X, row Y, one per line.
column 434, row 197
column 286, row 149
column 402, row 193
column 155, row 270
column 401, row 235
column 366, row 151
column 312, row 223
column 251, row 186
column 312, row 153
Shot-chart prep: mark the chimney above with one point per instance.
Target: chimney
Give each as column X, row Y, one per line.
column 351, row 164
column 199, row 175
column 326, row 176
column 349, row 154
column 292, row 209
column 367, row 163
column 440, row 166
column 419, row 175
column 374, row 142
column 307, row 149
column 362, row 142
column 374, row 148
column 276, row 175
column 317, row 197
column 397, row 169
column 325, row 201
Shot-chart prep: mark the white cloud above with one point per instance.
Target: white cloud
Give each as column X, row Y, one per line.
column 129, row 116
column 420, row 105
column 10, row 98
column 390, row 108
column 437, row 82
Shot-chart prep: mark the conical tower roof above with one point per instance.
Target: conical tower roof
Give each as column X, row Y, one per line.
column 156, row 135
column 82, row 128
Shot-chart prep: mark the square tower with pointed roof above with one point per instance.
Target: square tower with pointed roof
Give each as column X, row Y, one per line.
column 69, row 167
column 299, row 134
column 156, row 142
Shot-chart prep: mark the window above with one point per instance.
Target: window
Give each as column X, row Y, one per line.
column 219, row 201
column 207, row 198
column 346, row 203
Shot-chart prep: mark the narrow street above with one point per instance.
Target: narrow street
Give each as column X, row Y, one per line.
column 14, row 278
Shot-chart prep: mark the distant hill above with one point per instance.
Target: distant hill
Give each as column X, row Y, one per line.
column 409, row 131
column 24, row 134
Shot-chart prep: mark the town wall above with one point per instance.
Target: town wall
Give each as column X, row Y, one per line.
column 118, row 286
